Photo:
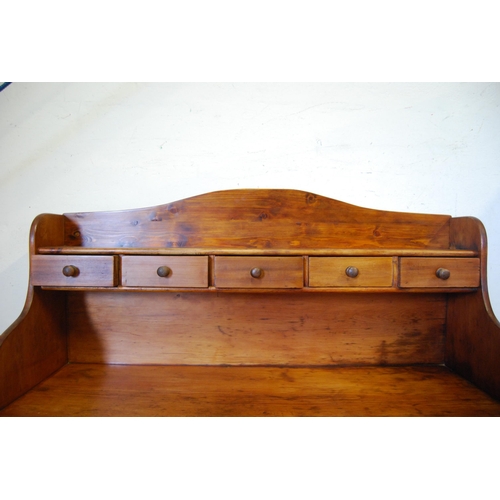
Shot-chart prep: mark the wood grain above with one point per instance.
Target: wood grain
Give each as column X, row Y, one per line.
column 284, row 329
column 331, row 271
column 473, row 331
column 349, row 252
column 421, row 272
column 34, row 346
column 185, row 272
column 276, row 272
column 258, row 219
column 104, row 390
column 92, row 270
column 264, row 353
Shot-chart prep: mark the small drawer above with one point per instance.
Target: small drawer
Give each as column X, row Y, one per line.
column 350, row 271
column 259, row 272
column 165, row 272
column 73, row 271
column 433, row 272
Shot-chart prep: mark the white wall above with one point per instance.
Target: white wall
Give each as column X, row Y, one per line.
column 432, row 148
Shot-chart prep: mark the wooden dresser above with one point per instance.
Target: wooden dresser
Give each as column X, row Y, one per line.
column 254, row 303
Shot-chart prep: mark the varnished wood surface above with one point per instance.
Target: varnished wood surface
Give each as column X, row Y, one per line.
column 185, row 272
column 225, row 328
column 331, row 271
column 293, row 330
column 421, row 272
column 35, row 345
column 258, row 219
column 368, row 252
column 473, row 338
column 275, row 272
column 101, row 390
column 212, row 289
column 92, row 270
column 235, row 272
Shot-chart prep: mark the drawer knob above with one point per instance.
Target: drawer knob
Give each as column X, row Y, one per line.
column 443, row 273
column 256, row 272
column 352, row 271
column 163, row 271
column 70, row 271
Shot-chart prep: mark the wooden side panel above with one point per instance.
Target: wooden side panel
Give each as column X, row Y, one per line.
column 473, row 331
column 35, row 345
column 276, row 329
column 262, row 219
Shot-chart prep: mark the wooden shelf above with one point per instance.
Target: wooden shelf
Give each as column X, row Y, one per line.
column 212, row 289
column 133, row 390
column 371, row 252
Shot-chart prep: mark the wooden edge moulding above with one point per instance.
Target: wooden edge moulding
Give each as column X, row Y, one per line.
column 277, row 302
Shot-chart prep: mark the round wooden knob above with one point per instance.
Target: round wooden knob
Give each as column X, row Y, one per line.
column 163, row 271
column 256, row 272
column 70, row 271
column 443, row 273
column 352, row 271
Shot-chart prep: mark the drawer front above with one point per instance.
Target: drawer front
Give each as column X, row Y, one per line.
column 73, row 271
column 259, row 272
column 350, row 271
column 165, row 272
column 423, row 272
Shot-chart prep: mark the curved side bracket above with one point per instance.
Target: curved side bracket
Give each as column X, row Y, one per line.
column 473, row 331
column 34, row 346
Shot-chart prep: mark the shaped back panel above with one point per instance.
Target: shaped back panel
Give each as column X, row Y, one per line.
column 257, row 219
